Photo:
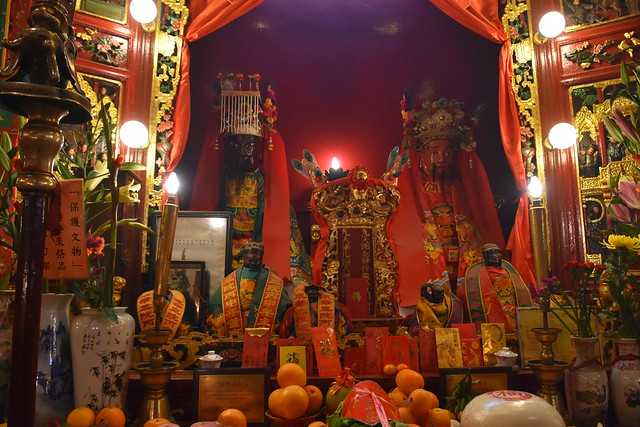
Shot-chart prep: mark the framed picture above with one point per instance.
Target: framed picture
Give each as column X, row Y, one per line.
column 113, row 10
column 189, row 277
column 201, row 236
column 243, row 389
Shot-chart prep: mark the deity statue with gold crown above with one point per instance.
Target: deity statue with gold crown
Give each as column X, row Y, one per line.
column 447, row 210
column 438, row 307
column 243, row 168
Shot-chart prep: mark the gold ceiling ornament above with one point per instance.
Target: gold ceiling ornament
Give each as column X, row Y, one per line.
column 357, row 202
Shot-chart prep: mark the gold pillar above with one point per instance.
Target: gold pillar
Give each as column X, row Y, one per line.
column 539, row 238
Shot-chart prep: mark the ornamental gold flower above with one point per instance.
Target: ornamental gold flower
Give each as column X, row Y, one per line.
column 620, row 241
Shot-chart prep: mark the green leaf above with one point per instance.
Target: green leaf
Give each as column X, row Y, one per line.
column 133, row 223
column 5, row 142
column 132, row 166
column 624, row 76
column 5, row 162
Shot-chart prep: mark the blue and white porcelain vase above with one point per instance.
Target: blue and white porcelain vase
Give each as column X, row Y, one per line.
column 102, row 350
column 54, row 383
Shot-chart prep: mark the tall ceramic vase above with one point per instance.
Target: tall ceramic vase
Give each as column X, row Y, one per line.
column 54, row 385
column 586, row 385
column 102, row 350
column 625, row 382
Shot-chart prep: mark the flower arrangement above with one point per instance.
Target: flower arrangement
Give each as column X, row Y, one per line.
column 102, row 198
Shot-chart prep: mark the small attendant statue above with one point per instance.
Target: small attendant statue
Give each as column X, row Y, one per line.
column 250, row 297
column 437, row 307
column 493, row 290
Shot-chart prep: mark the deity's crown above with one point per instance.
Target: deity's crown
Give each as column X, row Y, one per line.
column 240, row 104
column 442, row 119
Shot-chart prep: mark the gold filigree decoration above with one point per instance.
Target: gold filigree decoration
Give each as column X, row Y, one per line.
column 367, row 204
column 112, row 111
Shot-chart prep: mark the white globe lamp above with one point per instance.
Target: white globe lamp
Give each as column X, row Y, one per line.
column 134, row 134
column 172, row 184
column 552, row 24
column 143, row 11
column 562, row 135
column 535, row 188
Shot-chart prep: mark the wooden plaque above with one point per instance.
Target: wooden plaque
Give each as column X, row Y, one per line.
column 244, row 389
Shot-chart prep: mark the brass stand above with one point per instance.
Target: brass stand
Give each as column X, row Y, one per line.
column 36, row 86
column 549, row 372
column 155, row 376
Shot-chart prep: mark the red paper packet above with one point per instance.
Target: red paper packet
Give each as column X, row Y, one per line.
column 428, row 354
column 325, row 347
column 369, row 404
column 467, row 330
column 355, row 358
column 396, row 350
column 472, row 352
column 374, row 340
column 255, row 348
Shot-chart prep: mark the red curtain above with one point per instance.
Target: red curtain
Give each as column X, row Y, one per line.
column 481, row 17
column 207, row 16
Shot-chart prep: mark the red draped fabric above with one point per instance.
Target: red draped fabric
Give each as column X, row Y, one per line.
column 481, row 17
column 207, row 16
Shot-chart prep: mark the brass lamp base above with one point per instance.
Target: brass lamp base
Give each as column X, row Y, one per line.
column 549, row 375
column 155, row 376
column 546, row 337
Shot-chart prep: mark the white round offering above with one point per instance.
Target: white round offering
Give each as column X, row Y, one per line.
column 510, row 408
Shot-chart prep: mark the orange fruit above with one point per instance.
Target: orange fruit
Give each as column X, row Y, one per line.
column 81, row 417
column 232, row 418
column 402, row 366
column 291, row 374
column 315, row 399
column 157, row 422
column 439, row 417
column 317, row 424
column 111, row 417
column 422, row 401
column 295, row 402
column 389, row 369
column 275, row 403
column 408, row 380
column 406, row 416
column 398, row 398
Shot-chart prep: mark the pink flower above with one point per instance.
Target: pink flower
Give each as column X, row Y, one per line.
column 513, row 32
column 176, row 24
column 620, row 212
column 598, row 48
column 629, row 193
column 102, row 47
column 95, row 245
column 626, row 127
column 165, row 125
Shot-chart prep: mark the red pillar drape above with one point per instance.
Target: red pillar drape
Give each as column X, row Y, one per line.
column 207, row 16
column 481, row 17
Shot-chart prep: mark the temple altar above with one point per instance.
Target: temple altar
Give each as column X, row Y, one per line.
column 459, row 234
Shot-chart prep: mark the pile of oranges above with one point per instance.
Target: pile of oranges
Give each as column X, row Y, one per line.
column 294, row 399
column 107, row 417
column 418, row 407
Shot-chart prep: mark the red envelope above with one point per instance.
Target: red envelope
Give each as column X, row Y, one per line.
column 428, row 354
column 325, row 347
column 255, row 349
column 472, row 352
column 374, row 342
column 467, row 330
column 355, row 358
column 396, row 350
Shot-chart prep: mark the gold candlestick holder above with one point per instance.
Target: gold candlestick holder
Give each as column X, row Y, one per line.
column 548, row 371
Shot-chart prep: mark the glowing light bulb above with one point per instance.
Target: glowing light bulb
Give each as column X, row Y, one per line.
column 335, row 163
column 143, row 11
column 172, row 185
column 552, row 24
column 134, row 134
column 562, row 135
column 535, row 188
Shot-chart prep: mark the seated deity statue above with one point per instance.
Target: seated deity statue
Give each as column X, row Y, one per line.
column 341, row 315
column 438, row 307
column 493, row 290
column 250, row 297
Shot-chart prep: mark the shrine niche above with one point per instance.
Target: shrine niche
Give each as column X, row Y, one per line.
column 600, row 158
column 353, row 250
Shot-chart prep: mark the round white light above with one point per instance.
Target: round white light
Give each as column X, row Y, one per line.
column 562, row 135
column 335, row 163
column 143, row 11
column 134, row 134
column 535, row 187
column 552, row 24
column 172, row 185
